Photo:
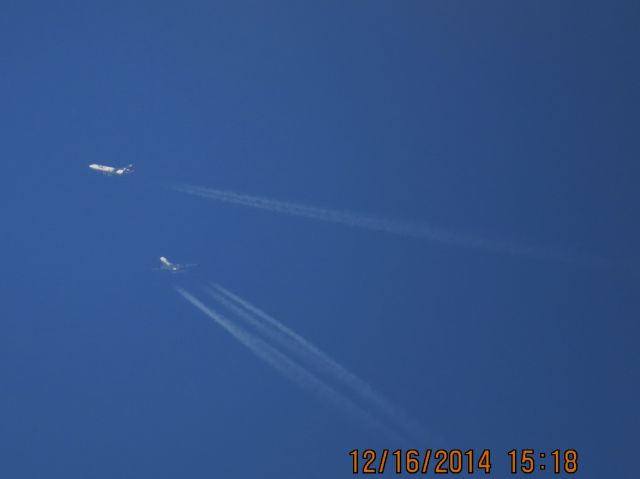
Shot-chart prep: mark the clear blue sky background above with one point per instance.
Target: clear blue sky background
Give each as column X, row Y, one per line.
column 509, row 120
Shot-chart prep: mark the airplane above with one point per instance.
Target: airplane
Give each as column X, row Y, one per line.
column 166, row 265
column 110, row 170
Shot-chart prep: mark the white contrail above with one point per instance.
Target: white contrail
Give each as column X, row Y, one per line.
column 288, row 368
column 278, row 335
column 342, row 217
column 277, row 331
column 409, row 229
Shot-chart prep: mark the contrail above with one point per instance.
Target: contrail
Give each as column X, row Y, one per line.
column 286, row 367
column 277, row 331
column 402, row 228
column 312, row 212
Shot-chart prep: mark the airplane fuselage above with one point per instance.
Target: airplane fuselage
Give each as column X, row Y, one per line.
column 110, row 170
column 168, row 264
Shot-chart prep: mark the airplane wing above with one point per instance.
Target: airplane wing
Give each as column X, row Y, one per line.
column 179, row 268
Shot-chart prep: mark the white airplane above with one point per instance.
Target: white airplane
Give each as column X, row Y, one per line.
column 110, row 170
column 166, row 265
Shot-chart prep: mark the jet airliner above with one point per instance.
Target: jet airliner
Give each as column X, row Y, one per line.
column 167, row 265
column 111, row 170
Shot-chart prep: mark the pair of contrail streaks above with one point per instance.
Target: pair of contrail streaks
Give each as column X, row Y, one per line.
column 342, row 217
column 291, row 340
column 402, row 228
column 289, row 368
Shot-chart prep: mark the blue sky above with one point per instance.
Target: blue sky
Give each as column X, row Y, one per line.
column 509, row 122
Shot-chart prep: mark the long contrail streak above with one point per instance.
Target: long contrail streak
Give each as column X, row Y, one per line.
column 312, row 212
column 276, row 331
column 402, row 228
column 285, row 366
